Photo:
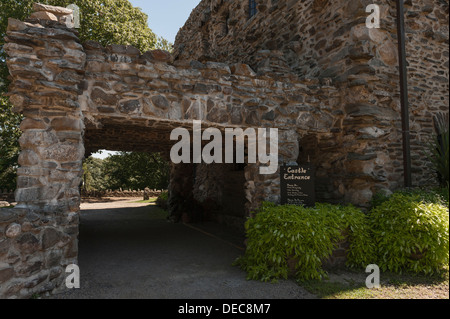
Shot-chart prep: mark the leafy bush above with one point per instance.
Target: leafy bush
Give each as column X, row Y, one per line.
column 278, row 234
column 438, row 149
column 438, row 195
column 411, row 234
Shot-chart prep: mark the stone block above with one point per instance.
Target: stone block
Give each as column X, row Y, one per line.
column 52, row 9
column 243, row 70
column 13, row 230
column 63, row 152
column 130, row 106
column 50, row 237
column 28, row 158
column 6, row 272
column 102, row 98
column 32, row 124
column 35, row 280
column 160, row 102
column 31, row 267
column 16, row 25
column 43, row 15
column 158, row 56
column 27, row 182
column 27, row 243
column 25, row 195
column 66, row 124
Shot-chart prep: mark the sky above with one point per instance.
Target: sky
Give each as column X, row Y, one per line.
column 165, row 18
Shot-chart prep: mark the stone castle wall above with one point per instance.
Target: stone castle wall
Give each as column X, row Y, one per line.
column 328, row 41
column 309, row 68
column 79, row 97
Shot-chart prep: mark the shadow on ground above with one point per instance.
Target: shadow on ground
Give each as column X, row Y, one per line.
column 130, row 250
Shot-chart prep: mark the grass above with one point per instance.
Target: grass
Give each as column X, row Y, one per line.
column 155, row 212
column 351, row 285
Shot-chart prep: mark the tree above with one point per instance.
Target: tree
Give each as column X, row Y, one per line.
column 105, row 21
column 9, row 145
column 164, row 44
column 93, row 175
column 136, row 171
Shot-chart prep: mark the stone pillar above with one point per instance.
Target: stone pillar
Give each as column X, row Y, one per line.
column 266, row 187
column 46, row 62
column 47, row 65
column 181, row 190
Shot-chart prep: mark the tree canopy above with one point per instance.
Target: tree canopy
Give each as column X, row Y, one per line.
column 127, row 171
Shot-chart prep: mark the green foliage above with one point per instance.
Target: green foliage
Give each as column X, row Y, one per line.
column 164, row 195
column 308, row 236
column 405, row 232
column 164, row 44
column 378, row 199
column 436, row 195
column 411, row 234
column 163, row 199
column 9, row 144
column 438, row 149
column 106, row 21
column 94, row 178
column 136, row 171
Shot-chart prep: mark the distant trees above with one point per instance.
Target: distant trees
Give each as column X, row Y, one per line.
column 127, row 171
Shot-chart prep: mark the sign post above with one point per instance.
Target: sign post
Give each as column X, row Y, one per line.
column 297, row 185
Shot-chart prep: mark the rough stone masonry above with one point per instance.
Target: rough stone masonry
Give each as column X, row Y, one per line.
column 309, row 68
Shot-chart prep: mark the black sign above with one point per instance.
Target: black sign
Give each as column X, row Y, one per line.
column 297, row 185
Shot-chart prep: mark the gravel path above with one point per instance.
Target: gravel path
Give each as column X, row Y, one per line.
column 128, row 250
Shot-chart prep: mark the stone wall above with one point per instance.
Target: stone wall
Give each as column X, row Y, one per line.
column 6, row 195
column 38, row 238
column 120, row 193
column 309, row 68
column 77, row 98
column 221, row 191
column 328, row 41
column 35, row 249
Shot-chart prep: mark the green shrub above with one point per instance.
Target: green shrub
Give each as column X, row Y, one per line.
column 437, row 195
column 438, row 148
column 411, row 234
column 308, row 236
column 378, row 199
column 163, row 199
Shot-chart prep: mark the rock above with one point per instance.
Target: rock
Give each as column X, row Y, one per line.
column 52, row 9
column 388, row 53
column 28, row 243
column 66, row 124
column 101, row 97
column 146, row 193
column 158, row 56
column 44, row 15
column 16, row 25
column 50, row 237
column 6, row 272
column 4, row 204
column 129, row 107
column 13, row 230
column 242, row 69
column 160, row 102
